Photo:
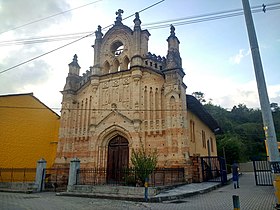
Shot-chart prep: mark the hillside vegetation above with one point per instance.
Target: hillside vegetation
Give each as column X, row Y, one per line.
column 243, row 135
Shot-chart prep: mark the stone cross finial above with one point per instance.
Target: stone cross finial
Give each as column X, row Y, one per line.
column 119, row 15
column 75, row 58
column 172, row 30
column 136, row 15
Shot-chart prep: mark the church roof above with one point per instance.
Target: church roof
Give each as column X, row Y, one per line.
column 197, row 108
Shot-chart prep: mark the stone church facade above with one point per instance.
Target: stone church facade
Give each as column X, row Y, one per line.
column 129, row 98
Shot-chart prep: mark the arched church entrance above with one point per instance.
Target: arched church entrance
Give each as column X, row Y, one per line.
column 118, row 155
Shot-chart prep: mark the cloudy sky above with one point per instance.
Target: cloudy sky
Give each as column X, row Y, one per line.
column 216, row 54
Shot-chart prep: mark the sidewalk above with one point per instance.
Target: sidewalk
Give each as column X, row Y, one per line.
column 168, row 195
column 251, row 197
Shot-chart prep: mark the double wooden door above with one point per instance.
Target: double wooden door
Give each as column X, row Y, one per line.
column 118, row 155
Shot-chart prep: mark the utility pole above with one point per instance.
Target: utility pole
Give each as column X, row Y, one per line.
column 263, row 97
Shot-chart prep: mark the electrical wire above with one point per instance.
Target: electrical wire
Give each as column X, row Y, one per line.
column 58, row 37
column 149, row 26
column 190, row 21
column 51, row 16
column 204, row 18
column 34, row 58
column 253, row 9
column 90, row 109
column 41, row 39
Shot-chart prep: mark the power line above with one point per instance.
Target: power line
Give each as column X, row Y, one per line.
column 209, row 14
column 150, row 26
column 51, row 16
column 221, row 15
column 89, row 109
column 188, row 20
column 58, row 37
column 41, row 39
column 34, row 58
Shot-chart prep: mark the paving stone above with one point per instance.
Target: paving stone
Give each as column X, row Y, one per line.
column 251, row 197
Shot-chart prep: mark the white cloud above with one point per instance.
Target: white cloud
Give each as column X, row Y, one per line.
column 20, row 12
column 228, row 91
column 236, row 59
column 246, row 93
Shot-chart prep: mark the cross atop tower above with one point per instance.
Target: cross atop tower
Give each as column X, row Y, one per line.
column 119, row 15
column 172, row 30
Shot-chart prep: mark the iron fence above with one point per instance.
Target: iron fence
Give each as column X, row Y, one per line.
column 56, row 179
column 214, row 169
column 130, row 177
column 17, row 174
column 262, row 171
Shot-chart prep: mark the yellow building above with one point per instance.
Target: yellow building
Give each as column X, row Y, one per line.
column 28, row 131
column 201, row 130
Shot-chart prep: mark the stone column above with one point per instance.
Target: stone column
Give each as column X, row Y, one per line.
column 40, row 175
column 74, row 167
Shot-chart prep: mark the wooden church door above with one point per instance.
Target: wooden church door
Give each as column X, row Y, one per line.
column 117, row 159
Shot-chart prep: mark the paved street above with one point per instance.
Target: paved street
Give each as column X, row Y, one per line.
column 251, row 198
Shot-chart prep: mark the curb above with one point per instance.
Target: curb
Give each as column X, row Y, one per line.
column 153, row 199
column 184, row 195
column 16, row 191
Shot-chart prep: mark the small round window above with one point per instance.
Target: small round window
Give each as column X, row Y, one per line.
column 117, row 48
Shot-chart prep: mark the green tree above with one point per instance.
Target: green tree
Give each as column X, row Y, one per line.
column 244, row 125
column 144, row 163
column 199, row 96
column 221, row 115
column 232, row 147
column 242, row 129
column 274, row 107
column 252, row 136
column 276, row 117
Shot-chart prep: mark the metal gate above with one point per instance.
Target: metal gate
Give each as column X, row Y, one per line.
column 262, row 171
column 56, row 179
column 214, row 169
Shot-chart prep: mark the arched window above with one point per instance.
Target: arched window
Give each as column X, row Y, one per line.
column 106, row 67
column 126, row 63
column 117, row 48
column 116, row 66
column 172, row 103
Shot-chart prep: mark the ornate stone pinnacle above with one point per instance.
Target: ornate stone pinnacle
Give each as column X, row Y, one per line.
column 137, row 21
column 75, row 61
column 98, row 33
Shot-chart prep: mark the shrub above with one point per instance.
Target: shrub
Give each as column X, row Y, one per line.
column 144, row 163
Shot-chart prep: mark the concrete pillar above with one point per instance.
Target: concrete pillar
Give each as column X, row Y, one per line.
column 40, row 174
column 74, row 167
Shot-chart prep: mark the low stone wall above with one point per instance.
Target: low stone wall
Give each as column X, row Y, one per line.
column 246, row 167
column 18, row 186
column 112, row 190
